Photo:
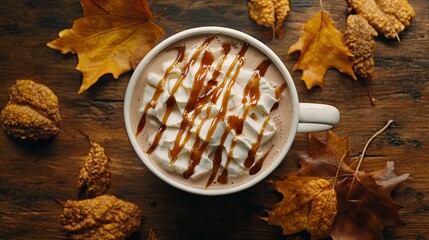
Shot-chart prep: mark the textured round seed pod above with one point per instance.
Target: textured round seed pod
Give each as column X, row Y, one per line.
column 32, row 111
column 359, row 38
column 389, row 17
column 263, row 12
column 103, row 217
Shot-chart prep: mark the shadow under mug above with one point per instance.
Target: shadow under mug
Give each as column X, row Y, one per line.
column 306, row 117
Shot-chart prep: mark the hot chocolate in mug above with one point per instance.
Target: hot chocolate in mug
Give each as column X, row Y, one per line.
column 213, row 111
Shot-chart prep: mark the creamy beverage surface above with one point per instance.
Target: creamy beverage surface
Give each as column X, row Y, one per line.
column 211, row 111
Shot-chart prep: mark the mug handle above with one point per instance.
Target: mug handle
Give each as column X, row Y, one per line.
column 314, row 117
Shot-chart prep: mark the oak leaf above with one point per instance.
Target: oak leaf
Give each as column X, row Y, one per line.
column 321, row 47
column 111, row 37
column 389, row 17
column 364, row 204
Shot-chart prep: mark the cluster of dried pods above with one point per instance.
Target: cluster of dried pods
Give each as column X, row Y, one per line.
column 32, row 113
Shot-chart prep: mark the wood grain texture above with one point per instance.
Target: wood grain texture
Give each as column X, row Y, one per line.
column 32, row 175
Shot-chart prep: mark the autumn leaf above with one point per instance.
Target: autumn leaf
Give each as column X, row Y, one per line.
column 111, row 37
column 389, row 17
column 364, row 204
column 321, row 47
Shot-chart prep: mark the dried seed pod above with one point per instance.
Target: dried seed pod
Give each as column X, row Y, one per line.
column 94, row 176
column 103, row 217
column 282, row 9
column 32, row 111
column 269, row 13
column 358, row 37
column 389, row 17
column 263, row 12
column 400, row 9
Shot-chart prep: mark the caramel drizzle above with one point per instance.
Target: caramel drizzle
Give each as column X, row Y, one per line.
column 211, row 92
column 280, row 89
column 250, row 160
column 197, row 151
column 253, row 92
column 258, row 165
column 198, row 83
column 223, row 177
column 171, row 101
column 251, row 95
column 278, row 92
column 152, row 103
column 198, row 104
column 218, row 159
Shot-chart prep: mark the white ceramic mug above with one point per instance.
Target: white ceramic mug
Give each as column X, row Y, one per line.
column 307, row 117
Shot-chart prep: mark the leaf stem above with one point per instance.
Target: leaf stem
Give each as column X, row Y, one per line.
column 321, row 4
column 364, row 151
column 59, row 202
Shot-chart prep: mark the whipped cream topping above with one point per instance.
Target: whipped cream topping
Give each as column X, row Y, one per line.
column 212, row 113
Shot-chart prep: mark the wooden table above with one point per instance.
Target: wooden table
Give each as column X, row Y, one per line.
column 32, row 175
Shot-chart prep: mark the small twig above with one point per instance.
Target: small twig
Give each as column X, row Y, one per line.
column 86, row 135
column 164, row 9
column 363, row 154
column 59, row 202
column 339, row 168
column 371, row 98
column 321, row 4
column 274, row 34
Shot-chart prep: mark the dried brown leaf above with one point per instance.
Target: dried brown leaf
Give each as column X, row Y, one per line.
column 364, row 205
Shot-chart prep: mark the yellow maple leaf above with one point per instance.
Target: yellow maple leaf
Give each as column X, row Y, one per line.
column 112, row 37
column 321, row 47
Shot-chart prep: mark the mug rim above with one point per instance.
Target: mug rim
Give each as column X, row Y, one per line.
column 240, row 36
